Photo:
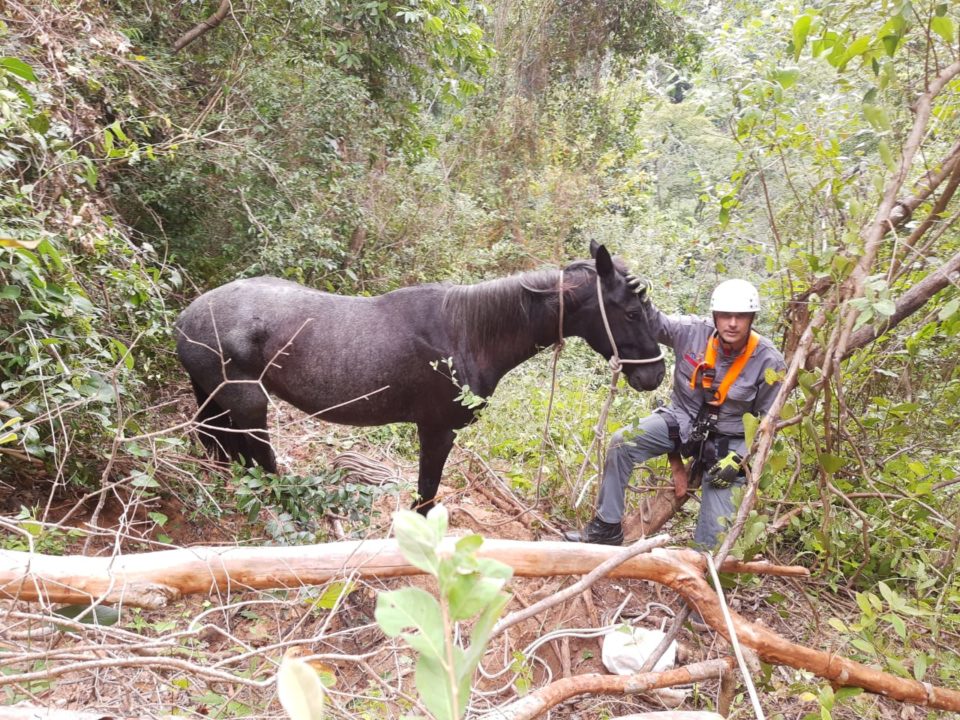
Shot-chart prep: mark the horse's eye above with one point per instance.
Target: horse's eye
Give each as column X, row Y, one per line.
column 633, row 315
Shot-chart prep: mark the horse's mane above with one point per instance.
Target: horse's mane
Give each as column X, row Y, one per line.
column 484, row 310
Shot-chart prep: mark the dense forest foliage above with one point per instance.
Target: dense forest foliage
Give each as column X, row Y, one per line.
column 149, row 151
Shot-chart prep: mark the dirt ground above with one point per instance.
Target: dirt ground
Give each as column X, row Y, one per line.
column 197, row 644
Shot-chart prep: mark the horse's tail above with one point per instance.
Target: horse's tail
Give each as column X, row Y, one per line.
column 215, row 428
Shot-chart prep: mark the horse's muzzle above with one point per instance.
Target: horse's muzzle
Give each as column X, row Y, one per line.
column 645, row 377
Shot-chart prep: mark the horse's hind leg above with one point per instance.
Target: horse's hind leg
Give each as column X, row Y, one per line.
column 214, row 426
column 435, row 445
column 234, row 423
column 248, row 412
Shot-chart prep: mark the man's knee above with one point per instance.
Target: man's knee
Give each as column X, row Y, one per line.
column 621, row 439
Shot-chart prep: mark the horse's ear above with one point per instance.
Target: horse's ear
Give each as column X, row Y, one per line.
column 604, row 261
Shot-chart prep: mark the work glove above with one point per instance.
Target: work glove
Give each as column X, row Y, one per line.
column 725, row 471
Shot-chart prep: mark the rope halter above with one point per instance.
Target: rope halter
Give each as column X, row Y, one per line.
column 617, row 362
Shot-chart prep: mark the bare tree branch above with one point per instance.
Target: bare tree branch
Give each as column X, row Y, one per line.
column 209, row 24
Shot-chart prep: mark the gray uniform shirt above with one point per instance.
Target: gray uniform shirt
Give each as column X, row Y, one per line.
column 750, row 393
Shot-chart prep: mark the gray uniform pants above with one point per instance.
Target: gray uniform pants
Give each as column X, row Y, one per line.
column 636, row 444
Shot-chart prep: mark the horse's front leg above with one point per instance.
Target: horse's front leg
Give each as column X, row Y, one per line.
column 435, row 445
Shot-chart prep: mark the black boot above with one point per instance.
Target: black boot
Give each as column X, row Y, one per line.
column 597, row 531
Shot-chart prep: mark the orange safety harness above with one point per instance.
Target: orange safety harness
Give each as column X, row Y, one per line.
column 706, row 371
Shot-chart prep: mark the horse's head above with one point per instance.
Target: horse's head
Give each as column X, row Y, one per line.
column 627, row 311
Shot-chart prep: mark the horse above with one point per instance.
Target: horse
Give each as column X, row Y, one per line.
column 405, row 356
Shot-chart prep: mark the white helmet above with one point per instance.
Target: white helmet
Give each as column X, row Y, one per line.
column 736, row 296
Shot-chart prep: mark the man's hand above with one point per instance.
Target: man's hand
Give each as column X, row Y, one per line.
column 679, row 471
column 725, row 471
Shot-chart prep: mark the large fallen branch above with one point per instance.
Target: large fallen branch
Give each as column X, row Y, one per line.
column 155, row 579
column 545, row 698
column 160, row 577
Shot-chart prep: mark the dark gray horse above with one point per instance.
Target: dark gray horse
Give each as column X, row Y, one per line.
column 377, row 360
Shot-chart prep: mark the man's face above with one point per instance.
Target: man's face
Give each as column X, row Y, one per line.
column 733, row 328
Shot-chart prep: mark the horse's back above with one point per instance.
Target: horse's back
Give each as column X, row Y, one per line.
column 317, row 349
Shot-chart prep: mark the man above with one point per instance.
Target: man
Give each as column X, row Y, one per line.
column 723, row 371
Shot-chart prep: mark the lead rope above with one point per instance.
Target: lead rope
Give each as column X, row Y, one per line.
column 557, row 349
column 616, row 365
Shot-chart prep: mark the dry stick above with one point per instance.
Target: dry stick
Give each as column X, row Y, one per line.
column 545, row 698
column 641, row 546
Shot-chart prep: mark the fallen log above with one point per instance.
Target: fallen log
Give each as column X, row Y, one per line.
column 155, row 579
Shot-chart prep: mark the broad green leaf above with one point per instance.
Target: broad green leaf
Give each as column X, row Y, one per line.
column 857, row 48
column 891, row 43
column 949, row 310
column 786, row 77
column 864, row 646
column 18, row 67
column 944, row 27
column 417, row 539
column 469, row 543
column 9, row 292
column 831, row 463
column 412, row 608
column 433, row 680
column 801, row 28
column 843, row 693
column 826, row 697
column 837, row 624
column 333, row 593
column 471, row 594
column 885, row 307
column 920, row 664
column 897, row 622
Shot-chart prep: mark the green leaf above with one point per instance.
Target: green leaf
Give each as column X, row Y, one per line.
column 18, row 67
column 786, row 77
column 877, row 117
column 886, row 156
column 885, row 307
column 920, row 664
column 750, row 424
column 898, row 624
column 9, row 292
column 801, row 28
column 433, row 682
column 831, row 463
column 332, row 594
column 838, row 624
column 418, row 539
column 949, row 310
column 844, row 693
column 412, row 608
column 944, row 26
column 97, row 615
